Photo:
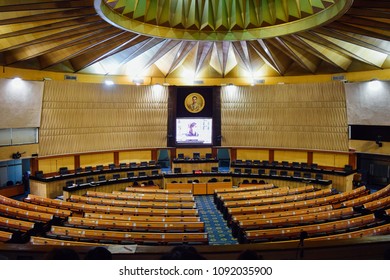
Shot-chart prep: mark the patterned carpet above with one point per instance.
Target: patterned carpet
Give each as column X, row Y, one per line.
column 219, row 233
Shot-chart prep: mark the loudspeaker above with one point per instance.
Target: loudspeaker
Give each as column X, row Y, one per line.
column 378, row 140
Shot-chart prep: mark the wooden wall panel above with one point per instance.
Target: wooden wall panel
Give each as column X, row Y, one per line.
column 290, row 156
column 52, row 165
column 330, row 159
column 252, row 154
column 7, row 151
column 135, row 156
column 80, row 117
column 96, row 159
column 304, row 116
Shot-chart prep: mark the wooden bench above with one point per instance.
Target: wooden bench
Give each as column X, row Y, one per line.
column 278, row 199
column 141, row 218
column 128, row 237
column 367, row 198
column 131, row 203
column 141, row 196
column 33, row 207
column 5, row 236
column 35, row 240
column 84, row 207
column 311, row 230
column 25, row 214
column 293, row 205
column 378, row 230
column 377, row 204
column 13, row 224
column 146, row 190
column 296, row 219
column 279, row 214
column 136, row 225
column 265, row 193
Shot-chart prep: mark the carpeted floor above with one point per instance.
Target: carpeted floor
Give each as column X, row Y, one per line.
column 219, row 233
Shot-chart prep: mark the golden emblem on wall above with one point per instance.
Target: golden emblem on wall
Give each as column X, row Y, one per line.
column 194, row 102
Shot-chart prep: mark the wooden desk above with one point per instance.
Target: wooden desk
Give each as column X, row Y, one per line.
column 195, row 164
column 14, row 190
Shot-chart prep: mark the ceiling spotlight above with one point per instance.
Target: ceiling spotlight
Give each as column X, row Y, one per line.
column 108, row 82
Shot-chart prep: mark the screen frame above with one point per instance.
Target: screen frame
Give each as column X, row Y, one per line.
column 194, row 144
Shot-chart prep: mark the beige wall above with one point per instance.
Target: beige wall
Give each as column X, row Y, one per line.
column 20, row 103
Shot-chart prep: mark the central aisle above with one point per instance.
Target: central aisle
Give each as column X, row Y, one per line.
column 215, row 225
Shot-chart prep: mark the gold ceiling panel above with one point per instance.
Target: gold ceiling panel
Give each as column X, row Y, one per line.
column 71, row 36
column 220, row 20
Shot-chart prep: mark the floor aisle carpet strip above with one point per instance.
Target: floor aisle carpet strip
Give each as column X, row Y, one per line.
column 215, row 225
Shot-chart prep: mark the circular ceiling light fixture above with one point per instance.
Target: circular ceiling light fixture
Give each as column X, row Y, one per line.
column 220, row 20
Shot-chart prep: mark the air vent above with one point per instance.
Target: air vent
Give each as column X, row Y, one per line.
column 199, row 82
column 259, row 81
column 71, row 78
column 338, row 78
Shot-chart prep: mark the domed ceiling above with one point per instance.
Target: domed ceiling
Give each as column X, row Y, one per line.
column 203, row 39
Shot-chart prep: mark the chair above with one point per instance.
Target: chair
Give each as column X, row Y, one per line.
column 88, row 169
column 69, row 183
column 297, row 174
column 261, row 171
column 295, row 164
column 63, row 170
column 122, row 165
column 180, row 156
column 89, row 179
column 265, row 162
column 214, row 169
column 213, row 180
column 111, row 166
column 152, row 162
column 307, row 175
column 273, row 172
column 285, row 163
column 150, row 183
column 319, row 176
column 78, row 170
column 256, row 162
column 209, row 156
column 226, row 180
column 245, row 181
column 238, row 161
column 116, row 176
column 155, row 172
column 196, row 181
column 254, row 181
column 348, row 167
column 101, row 178
column 248, row 162
column 177, row 170
column 39, row 174
column 142, row 174
column 130, row 174
column 143, row 163
column 237, row 170
column 99, row 167
column 248, row 171
column 304, row 165
column 283, row 173
column 314, row 166
column 79, row 182
column 275, row 163
column 196, row 155
column 132, row 164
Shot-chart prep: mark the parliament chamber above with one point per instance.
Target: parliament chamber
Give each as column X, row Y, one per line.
column 223, row 135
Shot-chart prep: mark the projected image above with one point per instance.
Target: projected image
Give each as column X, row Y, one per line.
column 193, row 131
